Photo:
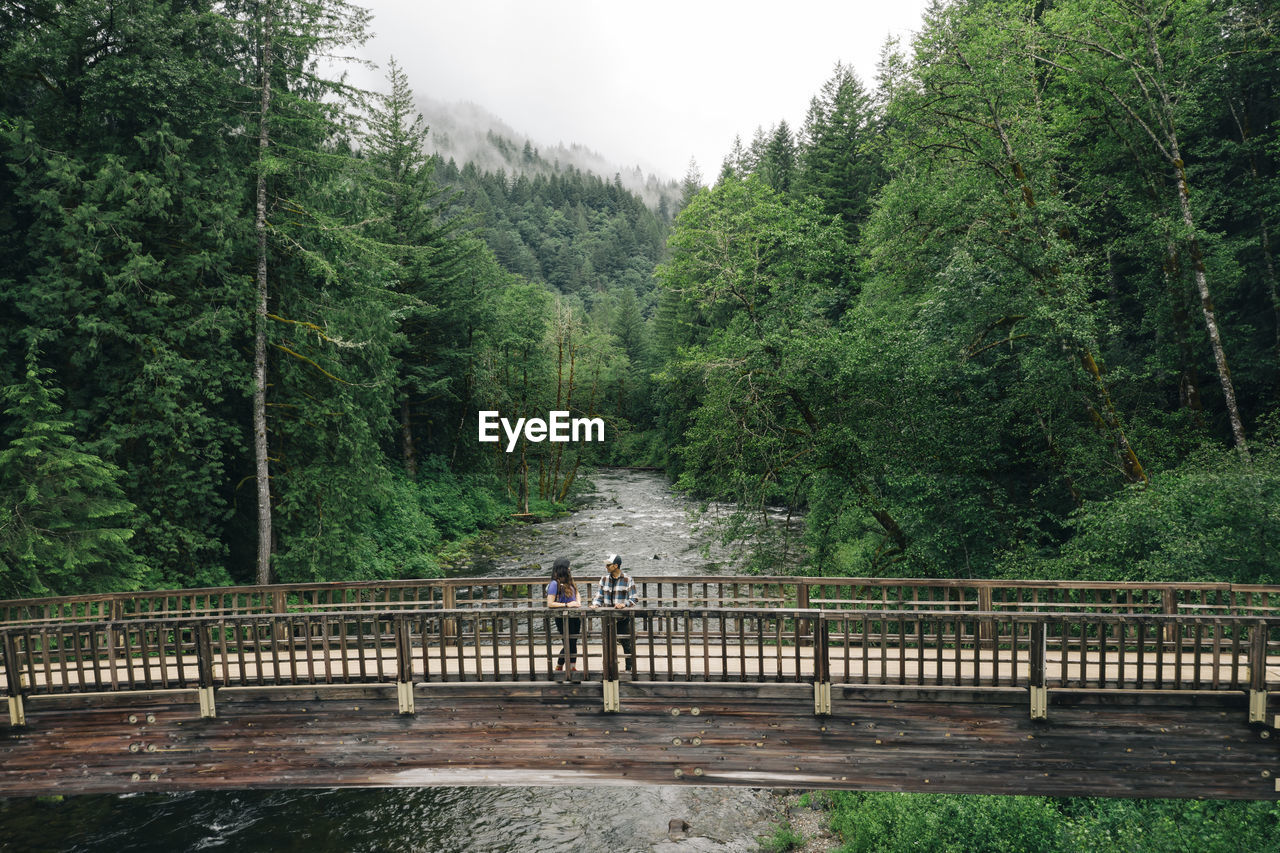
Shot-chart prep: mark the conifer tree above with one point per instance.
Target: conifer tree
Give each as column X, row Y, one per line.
column 837, row 160
column 778, row 162
column 120, row 231
column 443, row 302
column 65, row 524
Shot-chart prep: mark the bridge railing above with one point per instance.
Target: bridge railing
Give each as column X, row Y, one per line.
column 743, row 645
column 856, row 594
column 1094, row 651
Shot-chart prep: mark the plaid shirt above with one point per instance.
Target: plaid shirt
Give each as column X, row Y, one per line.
column 610, row 591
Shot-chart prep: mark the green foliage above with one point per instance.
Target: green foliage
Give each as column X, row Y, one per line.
column 128, row 252
column 934, row 823
column 839, row 163
column 645, row 449
column 117, row 242
column 945, row 823
column 958, row 322
column 783, row 840
column 64, row 521
column 1011, row 372
column 581, row 234
column 1213, row 518
column 761, row 278
column 1150, row 826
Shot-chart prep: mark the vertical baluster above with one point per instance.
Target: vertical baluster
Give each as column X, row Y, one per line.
column 530, row 659
column 1217, row 652
column 1142, row 652
column 902, row 641
column 240, row 634
column 939, row 641
column 706, row 650
column 1236, row 631
column 919, row 649
column 1177, row 654
column 513, row 623
column 723, row 637
column 958, row 621
column 475, row 629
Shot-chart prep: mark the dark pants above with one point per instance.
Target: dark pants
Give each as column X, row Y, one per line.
column 627, row 639
column 570, row 626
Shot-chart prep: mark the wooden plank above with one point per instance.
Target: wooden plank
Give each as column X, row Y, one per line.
column 742, row 735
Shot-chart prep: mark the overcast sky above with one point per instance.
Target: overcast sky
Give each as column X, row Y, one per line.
column 651, row 83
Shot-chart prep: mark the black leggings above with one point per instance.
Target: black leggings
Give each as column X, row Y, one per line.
column 571, row 626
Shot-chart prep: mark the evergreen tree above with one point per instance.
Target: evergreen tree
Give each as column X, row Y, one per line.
column 119, row 239
column 441, row 308
column 837, row 160
column 65, row 524
column 778, row 162
column 323, row 330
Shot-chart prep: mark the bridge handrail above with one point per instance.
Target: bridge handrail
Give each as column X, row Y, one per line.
column 826, row 593
column 975, row 649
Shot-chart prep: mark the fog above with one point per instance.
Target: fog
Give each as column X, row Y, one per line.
column 650, row 84
column 461, row 131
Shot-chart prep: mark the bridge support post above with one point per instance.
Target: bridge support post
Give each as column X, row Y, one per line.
column 609, row 630
column 1169, row 607
column 612, row 699
column 802, row 603
column 1258, row 673
column 1038, row 689
column 404, row 667
column 986, row 627
column 1257, row 706
column 821, row 668
column 204, row 662
column 404, row 697
column 822, row 699
column 208, row 710
column 449, row 601
column 13, row 682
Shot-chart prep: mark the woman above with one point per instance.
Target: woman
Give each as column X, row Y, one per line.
column 563, row 592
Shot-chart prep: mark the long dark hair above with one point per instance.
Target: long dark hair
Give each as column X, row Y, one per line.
column 564, row 578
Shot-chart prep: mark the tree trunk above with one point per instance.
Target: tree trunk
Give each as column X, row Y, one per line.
column 263, row 472
column 1206, row 304
column 1193, row 243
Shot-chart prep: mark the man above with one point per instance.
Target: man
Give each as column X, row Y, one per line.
column 618, row 591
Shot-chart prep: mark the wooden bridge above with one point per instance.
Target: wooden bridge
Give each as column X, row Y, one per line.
column 1103, row 689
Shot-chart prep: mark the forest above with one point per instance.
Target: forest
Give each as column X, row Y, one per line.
column 247, row 323
column 1009, row 309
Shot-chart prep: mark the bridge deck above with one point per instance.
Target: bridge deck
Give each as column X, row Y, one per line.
column 940, row 740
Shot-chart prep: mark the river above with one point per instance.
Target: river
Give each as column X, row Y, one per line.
column 631, row 513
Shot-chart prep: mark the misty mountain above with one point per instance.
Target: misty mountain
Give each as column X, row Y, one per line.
column 468, row 133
